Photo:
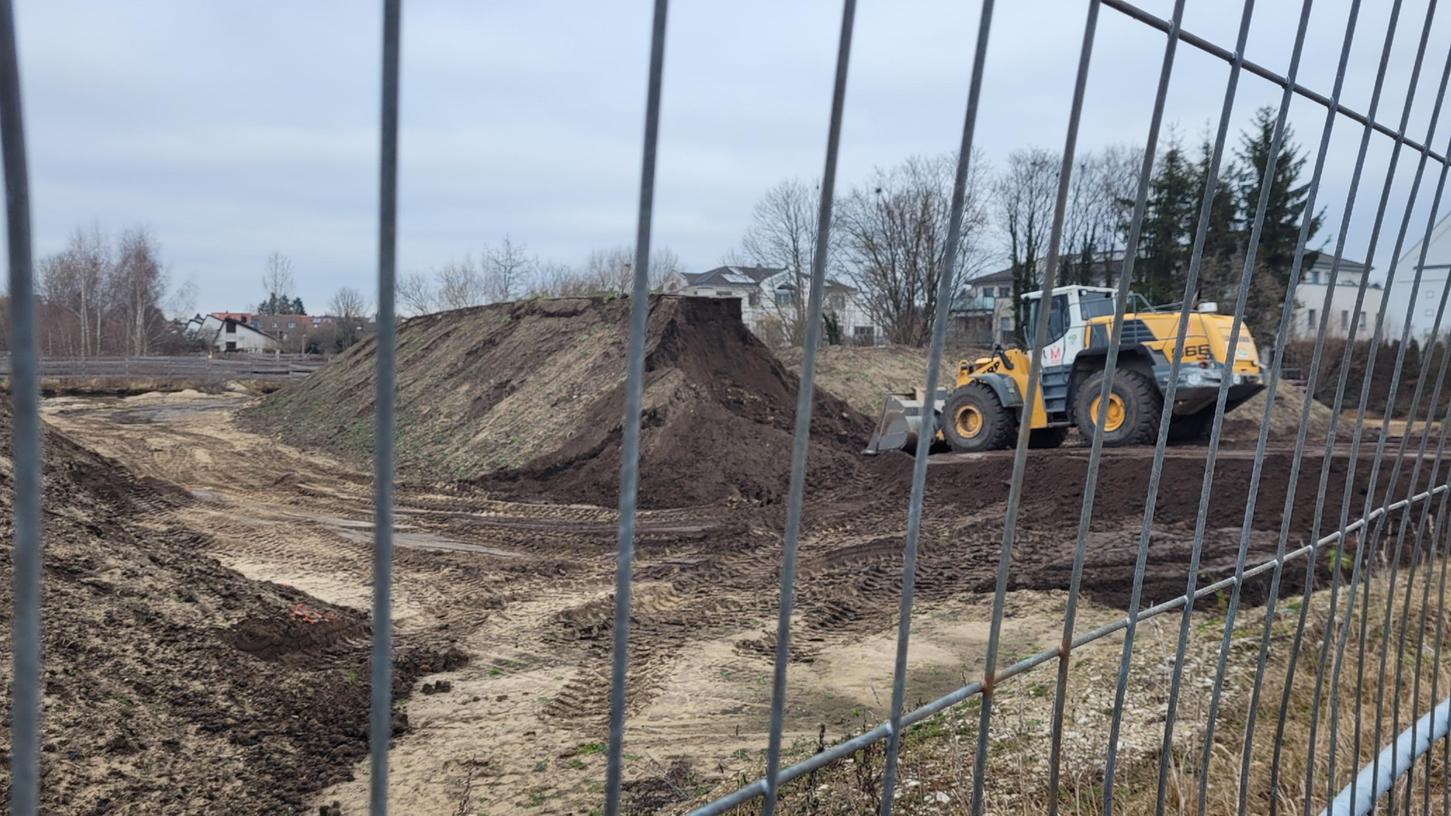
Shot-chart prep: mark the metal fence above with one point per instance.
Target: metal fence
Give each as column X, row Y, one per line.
column 193, row 367
column 1357, row 534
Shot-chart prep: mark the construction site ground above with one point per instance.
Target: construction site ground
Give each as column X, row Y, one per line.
column 523, row 590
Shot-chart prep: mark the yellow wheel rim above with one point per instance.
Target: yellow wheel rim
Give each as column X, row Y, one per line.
column 969, row 421
column 1116, row 412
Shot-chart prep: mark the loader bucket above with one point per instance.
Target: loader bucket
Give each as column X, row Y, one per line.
column 901, row 421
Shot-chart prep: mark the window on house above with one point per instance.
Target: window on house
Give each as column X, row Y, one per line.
column 785, row 296
column 1344, row 319
column 1005, row 323
column 1005, row 291
column 754, row 298
column 836, row 303
column 291, row 324
column 1362, row 319
column 864, row 336
column 1311, row 322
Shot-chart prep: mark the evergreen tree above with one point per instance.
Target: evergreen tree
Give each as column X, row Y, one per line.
column 1222, row 261
column 1168, row 228
column 1284, row 209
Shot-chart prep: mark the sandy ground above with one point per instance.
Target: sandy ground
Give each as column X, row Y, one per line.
column 525, row 591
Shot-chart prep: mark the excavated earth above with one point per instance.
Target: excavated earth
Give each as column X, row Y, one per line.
column 508, row 445
column 173, row 684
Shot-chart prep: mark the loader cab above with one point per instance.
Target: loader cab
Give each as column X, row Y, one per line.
column 1070, row 307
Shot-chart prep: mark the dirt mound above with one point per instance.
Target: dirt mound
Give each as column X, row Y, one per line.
column 524, row 400
column 1243, row 425
column 173, row 684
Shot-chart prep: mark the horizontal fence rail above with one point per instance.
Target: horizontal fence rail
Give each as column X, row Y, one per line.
column 243, row 366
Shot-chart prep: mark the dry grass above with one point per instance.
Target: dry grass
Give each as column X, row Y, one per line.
column 862, row 376
column 936, row 764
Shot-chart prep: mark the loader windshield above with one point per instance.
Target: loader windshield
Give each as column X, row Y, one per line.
column 1057, row 319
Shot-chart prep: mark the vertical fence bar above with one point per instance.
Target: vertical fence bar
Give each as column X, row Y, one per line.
column 634, row 393
column 1156, row 119
column 1296, row 459
column 925, row 433
column 1411, row 416
column 1420, row 526
column 804, row 401
column 1363, row 542
column 1248, row 523
column 1329, row 449
column 380, row 724
column 1075, row 582
column 1258, row 462
column 1436, row 556
column 1033, row 393
column 25, row 437
column 1443, row 546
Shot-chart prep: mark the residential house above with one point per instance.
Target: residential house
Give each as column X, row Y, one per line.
column 770, row 301
column 1310, row 299
column 1433, row 283
column 229, row 332
column 982, row 311
column 291, row 330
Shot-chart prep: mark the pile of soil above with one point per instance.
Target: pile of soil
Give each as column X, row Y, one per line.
column 1243, row 425
column 524, row 400
column 171, row 683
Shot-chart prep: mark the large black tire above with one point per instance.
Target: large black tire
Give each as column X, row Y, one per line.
column 974, row 420
column 1188, row 430
column 1138, row 407
column 1047, row 437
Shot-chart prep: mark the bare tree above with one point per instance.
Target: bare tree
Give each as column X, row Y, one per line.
column 460, row 285
column 611, row 271
column 553, row 279
column 183, row 301
column 892, row 235
column 782, row 234
column 139, row 283
column 348, row 303
column 350, row 312
column 1099, row 201
column 278, row 283
column 416, row 295
column 73, row 281
column 506, row 269
column 1025, row 193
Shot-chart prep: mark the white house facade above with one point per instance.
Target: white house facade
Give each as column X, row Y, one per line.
column 224, row 333
column 1310, row 303
column 1433, row 282
column 770, row 301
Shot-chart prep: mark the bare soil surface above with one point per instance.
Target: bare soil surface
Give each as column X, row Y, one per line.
column 173, row 684
column 508, row 434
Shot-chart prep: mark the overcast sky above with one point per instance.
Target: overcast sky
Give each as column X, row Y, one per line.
column 235, row 129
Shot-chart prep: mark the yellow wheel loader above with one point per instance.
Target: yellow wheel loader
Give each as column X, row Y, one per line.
column 987, row 404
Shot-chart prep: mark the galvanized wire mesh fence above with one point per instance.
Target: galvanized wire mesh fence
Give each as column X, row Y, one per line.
column 1372, row 544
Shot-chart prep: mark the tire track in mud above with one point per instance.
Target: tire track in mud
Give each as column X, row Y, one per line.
column 536, row 577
